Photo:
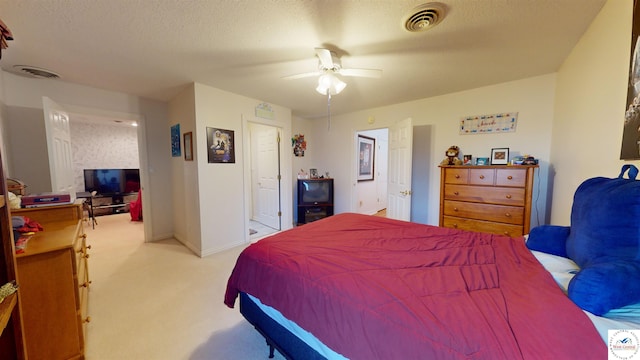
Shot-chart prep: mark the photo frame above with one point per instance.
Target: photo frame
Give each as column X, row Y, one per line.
column 175, row 140
column 220, row 146
column 366, row 158
column 188, row 146
column 499, row 156
column 313, row 173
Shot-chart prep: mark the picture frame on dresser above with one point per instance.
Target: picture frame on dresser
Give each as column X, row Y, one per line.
column 500, row 156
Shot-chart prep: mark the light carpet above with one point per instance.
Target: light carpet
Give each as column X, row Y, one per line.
column 159, row 301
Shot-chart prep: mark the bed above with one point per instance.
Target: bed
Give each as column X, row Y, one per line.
column 363, row 287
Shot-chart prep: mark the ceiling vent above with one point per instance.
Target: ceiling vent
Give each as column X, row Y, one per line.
column 34, row 72
column 424, row 17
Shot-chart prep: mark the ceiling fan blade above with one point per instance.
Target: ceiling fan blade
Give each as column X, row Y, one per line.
column 325, row 58
column 302, row 75
column 370, row 73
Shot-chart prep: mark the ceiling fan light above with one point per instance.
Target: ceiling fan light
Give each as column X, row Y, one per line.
column 330, row 84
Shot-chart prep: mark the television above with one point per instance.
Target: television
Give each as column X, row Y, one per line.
column 315, row 191
column 112, row 181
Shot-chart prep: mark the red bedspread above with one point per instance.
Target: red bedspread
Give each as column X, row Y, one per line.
column 375, row 288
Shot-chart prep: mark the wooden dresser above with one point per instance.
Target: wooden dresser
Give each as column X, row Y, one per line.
column 54, row 283
column 494, row 199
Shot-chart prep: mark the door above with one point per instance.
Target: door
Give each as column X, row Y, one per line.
column 56, row 122
column 400, row 150
column 266, row 167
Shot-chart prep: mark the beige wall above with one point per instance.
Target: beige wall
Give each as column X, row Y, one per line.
column 590, row 105
column 532, row 98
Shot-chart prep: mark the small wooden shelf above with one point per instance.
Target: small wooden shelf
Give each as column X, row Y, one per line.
column 6, row 308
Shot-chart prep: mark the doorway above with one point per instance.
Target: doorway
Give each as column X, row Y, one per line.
column 264, row 178
column 134, row 136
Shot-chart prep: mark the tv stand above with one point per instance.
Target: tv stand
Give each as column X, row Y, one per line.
column 112, row 203
column 309, row 212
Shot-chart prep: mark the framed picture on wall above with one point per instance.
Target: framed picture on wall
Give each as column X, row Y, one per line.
column 220, row 146
column 175, row 140
column 188, row 146
column 499, row 156
column 366, row 157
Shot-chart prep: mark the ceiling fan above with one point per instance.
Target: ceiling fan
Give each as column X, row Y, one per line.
column 329, row 66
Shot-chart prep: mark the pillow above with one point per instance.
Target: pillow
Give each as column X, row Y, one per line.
column 601, row 287
column 549, row 239
column 604, row 240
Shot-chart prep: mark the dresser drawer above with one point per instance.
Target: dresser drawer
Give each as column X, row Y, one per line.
column 482, row 226
column 481, row 176
column 511, row 177
column 492, row 195
column 489, row 212
column 456, row 176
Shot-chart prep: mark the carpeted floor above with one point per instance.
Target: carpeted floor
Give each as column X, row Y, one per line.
column 159, row 301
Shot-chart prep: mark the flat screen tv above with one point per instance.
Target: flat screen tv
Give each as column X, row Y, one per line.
column 315, row 191
column 112, row 181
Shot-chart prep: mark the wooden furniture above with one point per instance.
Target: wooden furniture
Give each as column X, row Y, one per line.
column 494, row 199
column 315, row 199
column 55, row 283
column 12, row 344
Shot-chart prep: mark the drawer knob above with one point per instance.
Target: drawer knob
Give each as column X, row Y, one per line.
column 481, row 176
column 506, row 233
column 455, row 226
column 457, row 176
column 455, row 209
column 510, row 177
column 507, row 215
column 456, row 193
column 508, row 196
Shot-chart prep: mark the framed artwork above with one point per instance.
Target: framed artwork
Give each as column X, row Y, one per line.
column 630, row 149
column 175, row 140
column 467, row 159
column 188, row 146
column 313, row 173
column 220, row 146
column 366, row 152
column 499, row 156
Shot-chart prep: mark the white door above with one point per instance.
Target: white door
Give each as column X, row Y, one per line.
column 56, row 122
column 266, row 189
column 400, row 152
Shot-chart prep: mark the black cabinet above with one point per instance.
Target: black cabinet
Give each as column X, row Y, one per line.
column 315, row 199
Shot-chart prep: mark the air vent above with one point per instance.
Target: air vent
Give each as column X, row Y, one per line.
column 424, row 17
column 35, row 72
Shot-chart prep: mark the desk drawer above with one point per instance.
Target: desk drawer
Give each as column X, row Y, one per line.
column 489, row 212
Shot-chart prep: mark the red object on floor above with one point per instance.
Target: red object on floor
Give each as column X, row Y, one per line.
column 135, row 208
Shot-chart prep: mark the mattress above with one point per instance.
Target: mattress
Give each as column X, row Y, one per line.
column 562, row 270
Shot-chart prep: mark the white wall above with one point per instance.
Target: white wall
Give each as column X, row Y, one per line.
column 26, row 93
column 532, row 98
column 590, row 105
column 213, row 192
column 185, row 192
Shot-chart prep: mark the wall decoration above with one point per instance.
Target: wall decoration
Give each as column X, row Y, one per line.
column 488, row 124
column 265, row 111
column 220, row 146
column 188, row 146
column 630, row 149
column 366, row 152
column 299, row 145
column 499, row 156
column 175, row 140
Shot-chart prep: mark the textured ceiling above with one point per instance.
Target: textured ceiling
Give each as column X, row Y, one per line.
column 153, row 48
